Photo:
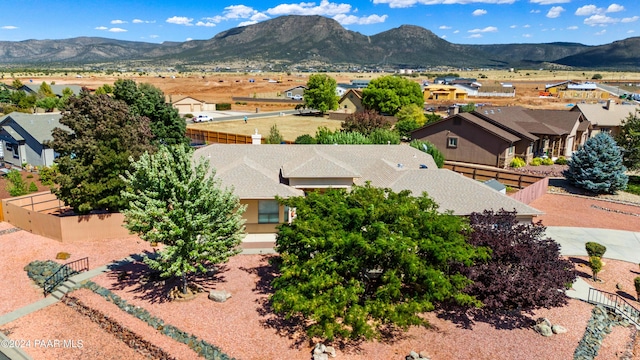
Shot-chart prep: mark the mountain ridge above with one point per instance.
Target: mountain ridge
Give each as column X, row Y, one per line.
column 316, row 40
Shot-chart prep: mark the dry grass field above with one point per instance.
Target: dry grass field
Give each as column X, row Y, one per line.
column 290, row 127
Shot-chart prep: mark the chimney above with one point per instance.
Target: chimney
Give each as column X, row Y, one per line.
column 610, row 104
column 256, row 139
column 456, row 110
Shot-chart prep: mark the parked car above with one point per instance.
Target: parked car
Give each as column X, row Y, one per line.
column 297, row 97
column 202, row 118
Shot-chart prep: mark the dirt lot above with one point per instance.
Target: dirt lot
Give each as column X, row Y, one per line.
column 221, row 87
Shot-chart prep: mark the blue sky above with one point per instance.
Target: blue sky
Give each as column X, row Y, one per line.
column 590, row 22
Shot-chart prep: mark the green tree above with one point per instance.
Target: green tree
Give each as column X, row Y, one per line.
column 355, row 263
column 597, row 166
column 629, row 141
column 432, row 117
column 166, row 124
column 16, row 185
column 596, row 77
column 17, row 84
column 49, row 103
column 45, row 91
column 326, row 136
column 365, row 122
column 103, row 134
column 183, row 206
column 384, row 137
column 321, row 93
column 468, row 107
column 305, row 139
column 412, row 112
column 595, row 263
column 274, row 136
column 429, row 148
column 387, row 94
column 5, row 94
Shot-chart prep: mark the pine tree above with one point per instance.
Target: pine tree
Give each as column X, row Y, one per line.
column 597, row 166
column 184, row 207
column 629, row 141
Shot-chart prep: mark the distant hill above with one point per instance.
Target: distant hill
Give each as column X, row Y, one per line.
column 317, row 40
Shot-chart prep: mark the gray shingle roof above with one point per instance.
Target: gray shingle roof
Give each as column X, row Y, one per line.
column 39, row 126
column 256, row 172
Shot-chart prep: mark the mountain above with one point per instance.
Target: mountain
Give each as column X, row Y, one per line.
column 316, row 40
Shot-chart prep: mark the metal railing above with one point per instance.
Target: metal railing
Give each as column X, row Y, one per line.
column 64, row 272
column 616, row 303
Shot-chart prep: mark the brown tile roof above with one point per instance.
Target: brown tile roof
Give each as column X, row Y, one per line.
column 599, row 115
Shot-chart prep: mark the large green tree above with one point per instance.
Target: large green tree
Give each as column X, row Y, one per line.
column 183, row 206
column 355, row 263
column 321, row 93
column 629, row 141
column 597, row 166
column 94, row 150
column 387, row 94
column 166, row 124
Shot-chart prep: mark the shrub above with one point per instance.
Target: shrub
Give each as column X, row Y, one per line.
column 636, row 284
column 384, row 136
column 188, row 116
column 33, row 187
column 16, row 185
column 596, row 265
column 223, row 106
column 517, row 163
column 536, row 162
column 29, row 176
column 594, row 249
column 429, row 148
column 547, row 161
column 562, row 161
column 305, row 139
column 47, row 174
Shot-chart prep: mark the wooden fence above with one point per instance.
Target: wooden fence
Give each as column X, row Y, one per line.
column 483, row 173
column 203, row 137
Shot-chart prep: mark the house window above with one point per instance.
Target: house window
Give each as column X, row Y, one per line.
column 511, row 149
column 289, row 94
column 268, row 212
column 452, row 142
column 15, row 151
column 8, row 145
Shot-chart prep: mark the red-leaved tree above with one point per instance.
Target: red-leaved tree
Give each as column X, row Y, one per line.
column 525, row 271
column 365, row 122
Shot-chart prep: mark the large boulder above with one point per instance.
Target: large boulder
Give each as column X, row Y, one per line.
column 558, row 329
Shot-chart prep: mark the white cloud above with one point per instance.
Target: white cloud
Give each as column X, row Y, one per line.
column 526, row 26
column 117, row 30
column 444, row 27
column 631, row 19
column 615, row 8
column 631, row 31
column 572, row 28
column 443, row 36
column 599, row 20
column 180, row 20
column 513, row 26
column 410, row 3
column 475, row 36
column 535, row 11
column 487, row 29
column 325, row 8
column 587, row 10
column 479, row 12
column 188, row 39
column 154, row 36
column 205, row 24
column 527, row 35
column 102, row 28
column 457, row 31
column 9, row 27
column 601, row 32
column 238, row 12
column 117, row 22
column 140, row 21
column 344, row 19
column 247, row 23
column 555, row 12
column 549, row 2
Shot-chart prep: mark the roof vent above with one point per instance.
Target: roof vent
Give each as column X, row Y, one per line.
column 492, row 111
column 486, row 112
column 499, row 110
column 400, row 166
column 423, row 166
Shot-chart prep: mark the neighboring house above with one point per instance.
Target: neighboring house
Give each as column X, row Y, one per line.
column 351, row 101
column 297, row 90
column 608, row 117
column 340, row 90
column 57, row 89
column 190, row 105
column 25, row 138
column 494, row 136
column 259, row 173
column 443, row 92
